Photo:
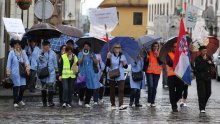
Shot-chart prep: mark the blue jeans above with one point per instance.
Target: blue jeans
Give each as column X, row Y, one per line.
column 135, row 96
column 152, row 82
column 96, row 95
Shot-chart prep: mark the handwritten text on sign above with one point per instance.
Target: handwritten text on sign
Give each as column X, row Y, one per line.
column 14, row 25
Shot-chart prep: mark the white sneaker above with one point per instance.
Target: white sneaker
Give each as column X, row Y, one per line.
column 149, row 104
column 101, row 101
column 95, row 103
column 80, row 103
column 68, row 105
column 64, row 105
column 202, row 111
column 122, row 107
column 21, row 103
column 184, row 104
column 113, row 107
column 16, row 105
column 87, row 106
column 153, row 105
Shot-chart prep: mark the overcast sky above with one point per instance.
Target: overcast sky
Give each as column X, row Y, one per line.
column 89, row 4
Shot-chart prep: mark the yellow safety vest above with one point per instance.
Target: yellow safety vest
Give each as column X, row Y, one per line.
column 67, row 71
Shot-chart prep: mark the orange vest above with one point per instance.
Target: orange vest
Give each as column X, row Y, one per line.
column 170, row 71
column 153, row 67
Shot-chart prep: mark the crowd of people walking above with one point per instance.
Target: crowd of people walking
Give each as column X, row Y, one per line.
column 80, row 71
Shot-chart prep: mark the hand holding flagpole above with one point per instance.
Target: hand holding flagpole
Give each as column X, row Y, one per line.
column 107, row 37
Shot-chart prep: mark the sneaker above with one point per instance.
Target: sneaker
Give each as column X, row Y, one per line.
column 184, row 105
column 68, row 105
column 165, row 86
column 149, row 104
column 153, row 105
column 16, row 105
column 113, row 107
column 64, row 105
column 101, row 101
column 95, row 103
column 87, row 106
column 181, row 104
column 21, row 103
column 202, row 111
column 122, row 107
column 51, row 104
column 138, row 105
column 80, row 103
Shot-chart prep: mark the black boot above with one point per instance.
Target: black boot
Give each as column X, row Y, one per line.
column 44, row 97
column 50, row 98
column 137, row 98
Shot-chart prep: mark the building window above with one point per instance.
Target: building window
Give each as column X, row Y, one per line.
column 118, row 17
column 149, row 18
column 211, row 1
column 137, row 18
column 164, row 9
column 167, row 8
column 152, row 11
column 202, row 2
column 158, row 9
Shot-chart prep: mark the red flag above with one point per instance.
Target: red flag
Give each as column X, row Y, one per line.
column 182, row 33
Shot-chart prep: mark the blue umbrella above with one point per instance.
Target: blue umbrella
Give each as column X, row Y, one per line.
column 56, row 43
column 147, row 40
column 130, row 48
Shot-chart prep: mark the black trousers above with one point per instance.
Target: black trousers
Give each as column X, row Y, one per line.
column 203, row 90
column 60, row 85
column 68, row 89
column 175, row 90
column 18, row 92
column 135, row 96
column 101, row 92
column 185, row 91
column 88, row 93
column 47, row 92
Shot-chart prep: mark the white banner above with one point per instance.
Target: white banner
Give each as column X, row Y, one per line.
column 191, row 16
column 102, row 21
column 14, row 25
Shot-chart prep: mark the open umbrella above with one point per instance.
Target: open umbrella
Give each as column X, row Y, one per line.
column 56, row 43
column 96, row 44
column 70, row 30
column 42, row 31
column 168, row 46
column 212, row 47
column 130, row 48
column 147, row 40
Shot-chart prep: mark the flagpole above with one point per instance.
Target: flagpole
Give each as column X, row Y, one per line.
column 106, row 34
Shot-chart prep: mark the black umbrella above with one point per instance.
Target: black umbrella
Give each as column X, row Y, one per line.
column 168, row 46
column 96, row 44
column 42, row 31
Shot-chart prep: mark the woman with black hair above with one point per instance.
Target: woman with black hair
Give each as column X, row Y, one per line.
column 88, row 68
column 17, row 59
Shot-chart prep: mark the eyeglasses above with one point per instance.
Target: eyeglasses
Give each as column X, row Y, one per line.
column 117, row 47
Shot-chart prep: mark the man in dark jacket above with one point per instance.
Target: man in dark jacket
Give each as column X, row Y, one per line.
column 203, row 66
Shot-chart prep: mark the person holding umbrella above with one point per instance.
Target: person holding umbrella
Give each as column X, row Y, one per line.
column 203, row 66
column 116, row 63
column 32, row 52
column 88, row 68
column 17, row 69
column 175, row 84
column 47, row 67
column 137, row 83
column 153, row 72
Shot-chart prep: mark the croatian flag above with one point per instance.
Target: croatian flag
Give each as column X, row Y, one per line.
column 182, row 56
